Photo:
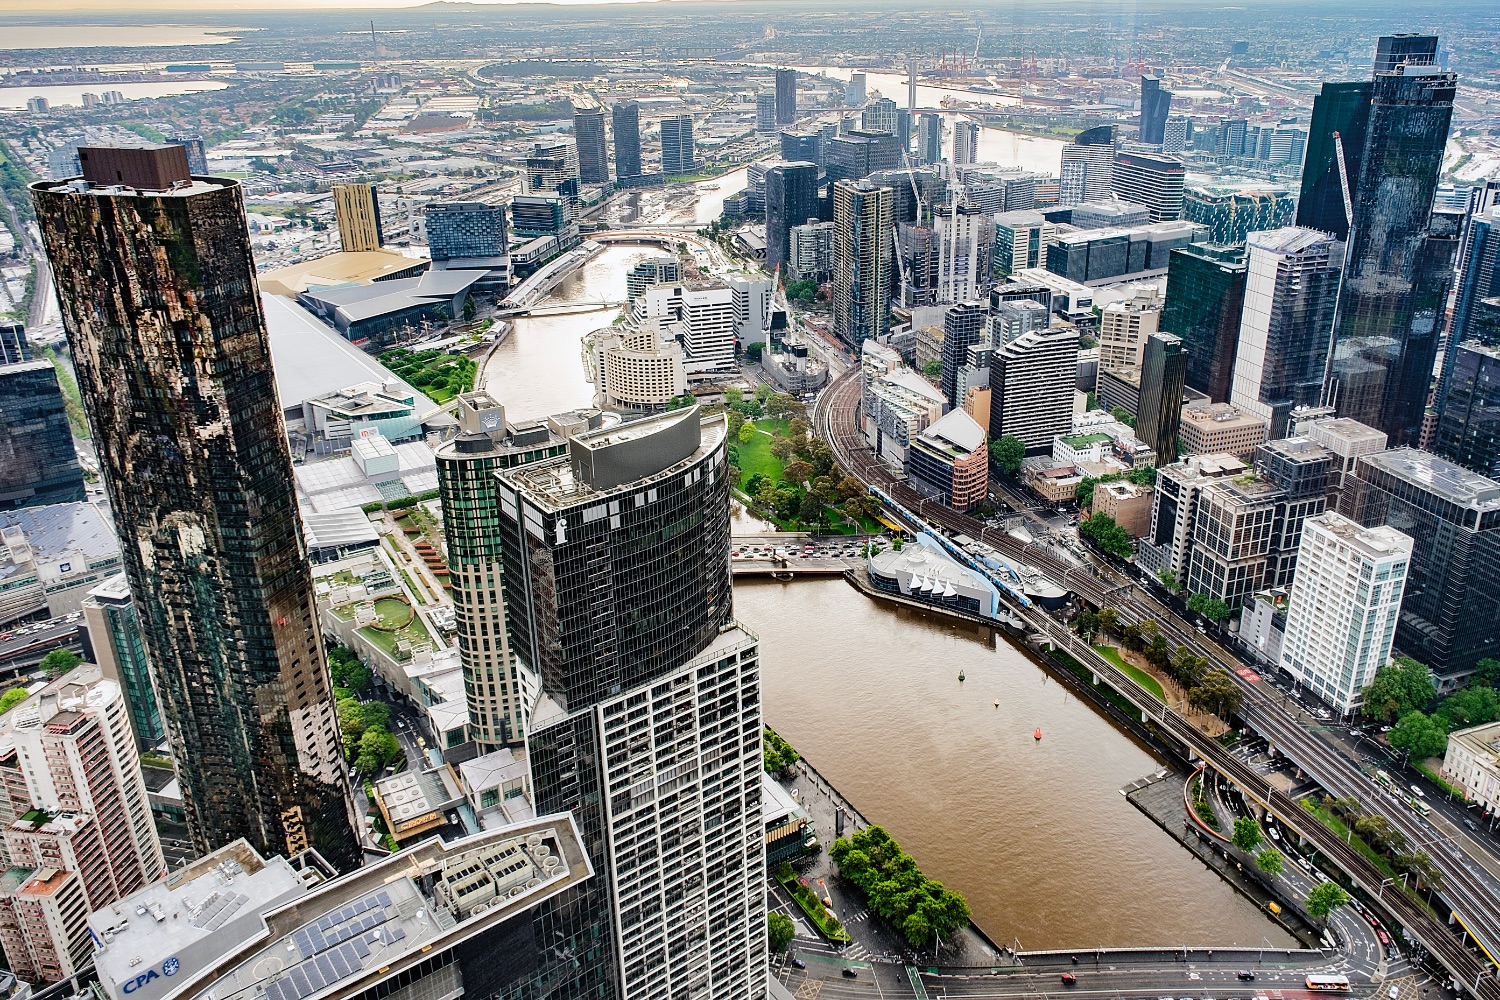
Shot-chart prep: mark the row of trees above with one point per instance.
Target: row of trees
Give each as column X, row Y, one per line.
column 1209, row 688
column 1247, row 838
column 1102, row 530
column 364, row 725
column 919, row 907
column 779, row 754
column 1387, row 841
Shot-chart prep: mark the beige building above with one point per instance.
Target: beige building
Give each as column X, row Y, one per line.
column 1127, row 503
column 357, row 211
column 1220, row 429
column 1473, row 763
column 977, row 405
column 1124, row 328
column 637, row 369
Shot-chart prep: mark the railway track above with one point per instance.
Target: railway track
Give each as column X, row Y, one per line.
column 1475, row 897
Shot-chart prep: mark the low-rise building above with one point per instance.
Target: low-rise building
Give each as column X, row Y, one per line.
column 50, row 557
column 335, row 419
column 1126, row 502
column 1472, row 762
column 1053, row 481
column 639, row 369
column 789, row 830
column 1220, row 429
column 896, row 404
column 922, row 571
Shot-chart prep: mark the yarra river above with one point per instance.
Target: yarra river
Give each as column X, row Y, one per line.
column 1035, row 834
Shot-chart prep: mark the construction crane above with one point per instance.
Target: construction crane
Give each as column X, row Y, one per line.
column 1338, row 152
column 976, row 46
column 1330, row 395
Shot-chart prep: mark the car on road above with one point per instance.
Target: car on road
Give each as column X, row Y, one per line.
column 1471, row 824
column 1393, row 992
column 1245, row 974
column 850, row 973
column 1418, row 792
column 798, row 963
column 1068, row 979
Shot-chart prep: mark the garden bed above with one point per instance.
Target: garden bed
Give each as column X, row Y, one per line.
column 812, row 906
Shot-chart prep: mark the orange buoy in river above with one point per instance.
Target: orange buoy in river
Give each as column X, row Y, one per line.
column 1038, row 734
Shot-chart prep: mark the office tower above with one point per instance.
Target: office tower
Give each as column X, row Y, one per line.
column 861, row 260
column 1478, row 281
column 678, row 155
column 858, row 154
column 496, row 692
column 929, row 138
column 1220, row 429
column 1468, row 430
column 1124, row 327
column 457, row 230
column 904, row 129
column 786, row 96
column 588, row 134
column 1452, row 599
column 802, row 146
column 791, row 199
column 618, row 590
column 1205, row 296
column 1151, row 179
column 1160, row 411
column 1087, row 166
column 1292, row 279
column 626, row 118
column 357, row 211
column 500, row 913
column 553, row 168
column 1230, row 214
column 14, row 347
column 1020, row 241
column 197, row 154
column 765, row 112
column 78, row 835
column 1176, row 134
column 1413, row 49
column 534, row 215
column 36, row 105
column 879, row 116
column 1400, row 256
column 1031, row 386
column 1345, row 600
column 965, row 142
column 854, row 90
column 964, row 325
column 198, row 475
column 38, row 464
column 708, row 321
column 119, row 648
column 62, row 161
column 651, row 272
column 966, row 253
column 1156, row 103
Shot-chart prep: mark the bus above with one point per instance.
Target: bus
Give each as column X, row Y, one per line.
column 1328, row 984
column 1418, row 806
column 1385, row 779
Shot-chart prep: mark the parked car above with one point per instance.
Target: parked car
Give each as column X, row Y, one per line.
column 850, row 973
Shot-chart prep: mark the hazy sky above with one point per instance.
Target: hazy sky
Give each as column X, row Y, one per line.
column 151, row 6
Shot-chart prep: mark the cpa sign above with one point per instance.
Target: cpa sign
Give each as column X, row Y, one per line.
column 168, row 968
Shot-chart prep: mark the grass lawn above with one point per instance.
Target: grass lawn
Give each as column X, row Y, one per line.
column 755, row 456
column 393, row 613
column 1136, row 674
column 386, row 641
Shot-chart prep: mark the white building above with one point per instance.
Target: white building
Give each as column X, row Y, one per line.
column 1345, row 599
column 1473, row 764
column 752, row 307
column 634, row 369
column 707, row 318
column 811, row 252
column 1032, row 386
column 896, row 404
column 966, row 241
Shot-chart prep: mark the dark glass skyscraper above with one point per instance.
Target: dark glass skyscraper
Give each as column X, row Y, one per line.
column 677, row 151
column 786, row 96
column 1342, row 108
column 1468, row 429
column 457, row 230
column 647, row 728
column 626, row 119
column 1205, row 291
column 791, row 199
column 37, row 462
column 588, row 132
column 1156, row 103
column 157, row 286
column 1163, row 368
column 963, row 326
column 1400, row 255
column 1450, row 611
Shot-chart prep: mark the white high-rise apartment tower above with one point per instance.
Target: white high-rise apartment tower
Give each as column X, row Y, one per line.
column 1346, row 597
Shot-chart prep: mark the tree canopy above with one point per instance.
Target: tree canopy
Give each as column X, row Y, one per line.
column 1398, row 688
column 1007, row 451
column 1324, row 898
column 918, row 906
column 1246, row 833
column 1420, row 735
column 59, row 662
column 1102, row 530
column 779, row 931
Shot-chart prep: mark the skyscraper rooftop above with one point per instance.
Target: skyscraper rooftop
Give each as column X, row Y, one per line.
column 1439, row 476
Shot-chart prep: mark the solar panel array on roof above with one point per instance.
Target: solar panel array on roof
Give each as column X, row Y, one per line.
column 334, row 946
column 218, row 908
